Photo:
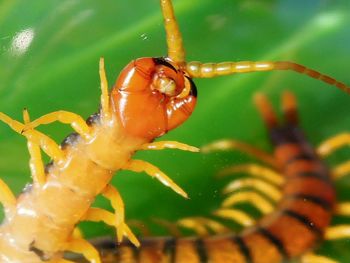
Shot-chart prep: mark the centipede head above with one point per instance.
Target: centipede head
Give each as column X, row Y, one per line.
column 153, row 96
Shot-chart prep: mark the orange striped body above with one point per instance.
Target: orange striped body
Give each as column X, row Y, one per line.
column 294, row 228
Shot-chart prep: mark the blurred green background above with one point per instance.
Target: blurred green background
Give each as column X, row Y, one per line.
column 49, row 52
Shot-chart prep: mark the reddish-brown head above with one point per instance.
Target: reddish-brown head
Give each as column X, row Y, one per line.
column 151, row 97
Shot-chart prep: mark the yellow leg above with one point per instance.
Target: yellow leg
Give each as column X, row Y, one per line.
column 225, row 145
column 268, row 189
column 214, row 226
column 341, row 170
column 201, row 225
column 36, row 163
column 334, row 143
column 153, row 171
column 168, row 144
column 14, row 125
column 7, row 198
column 112, row 194
column 199, row 229
column 238, row 216
column 46, row 143
column 77, row 122
column 81, row 246
column 251, row 197
column 255, row 170
column 312, row 258
column 337, row 232
column 97, row 214
column 77, row 233
column 342, row 209
column 105, row 108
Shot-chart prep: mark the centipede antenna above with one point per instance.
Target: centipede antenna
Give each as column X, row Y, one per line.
column 176, row 50
column 289, row 106
column 210, row 70
column 265, row 109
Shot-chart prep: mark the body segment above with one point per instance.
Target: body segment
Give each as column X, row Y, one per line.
column 298, row 223
column 151, row 97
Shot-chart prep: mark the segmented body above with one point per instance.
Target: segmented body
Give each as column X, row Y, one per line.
column 87, row 162
column 151, row 97
column 298, row 223
column 52, row 210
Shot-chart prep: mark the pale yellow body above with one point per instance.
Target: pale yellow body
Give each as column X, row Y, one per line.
column 39, row 225
column 45, row 216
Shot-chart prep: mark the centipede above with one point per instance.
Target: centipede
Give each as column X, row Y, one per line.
column 150, row 97
column 293, row 189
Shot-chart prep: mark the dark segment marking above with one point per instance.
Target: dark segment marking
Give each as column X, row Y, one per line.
column 317, row 175
column 93, row 119
column 105, row 243
column 286, row 134
column 48, row 167
column 274, row 240
column 193, row 91
column 312, row 199
column 162, row 61
column 170, row 248
column 110, row 246
column 304, row 220
column 70, row 140
column 135, row 252
column 244, row 249
column 299, row 157
column 201, row 250
column 38, row 252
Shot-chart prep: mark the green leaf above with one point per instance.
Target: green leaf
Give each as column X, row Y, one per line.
column 49, row 52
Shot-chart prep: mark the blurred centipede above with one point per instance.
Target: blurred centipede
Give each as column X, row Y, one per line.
column 295, row 179
column 150, row 97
